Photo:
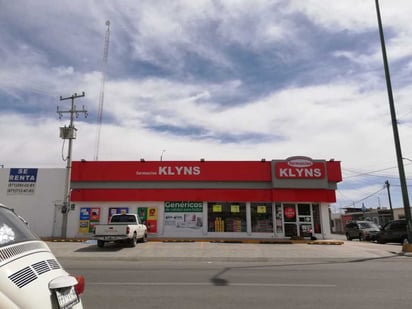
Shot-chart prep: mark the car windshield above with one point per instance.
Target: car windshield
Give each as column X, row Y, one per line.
column 367, row 225
column 13, row 229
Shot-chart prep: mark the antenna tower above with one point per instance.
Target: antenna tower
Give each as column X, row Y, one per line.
column 101, row 96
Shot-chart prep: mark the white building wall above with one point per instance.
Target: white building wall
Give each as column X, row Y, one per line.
column 325, row 221
column 41, row 208
column 398, row 213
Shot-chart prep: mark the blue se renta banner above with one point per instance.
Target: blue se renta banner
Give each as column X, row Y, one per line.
column 22, row 181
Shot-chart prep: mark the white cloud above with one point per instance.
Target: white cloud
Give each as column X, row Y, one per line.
column 207, row 64
column 350, row 15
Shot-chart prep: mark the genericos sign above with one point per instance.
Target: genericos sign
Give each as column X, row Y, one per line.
column 300, row 168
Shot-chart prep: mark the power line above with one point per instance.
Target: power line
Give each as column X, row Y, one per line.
column 371, row 173
column 365, row 198
column 368, row 173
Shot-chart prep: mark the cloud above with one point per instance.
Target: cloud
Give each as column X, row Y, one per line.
column 223, row 80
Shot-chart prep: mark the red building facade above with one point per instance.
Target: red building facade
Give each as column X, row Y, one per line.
column 269, row 199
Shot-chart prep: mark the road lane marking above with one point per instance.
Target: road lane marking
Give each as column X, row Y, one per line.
column 240, row 284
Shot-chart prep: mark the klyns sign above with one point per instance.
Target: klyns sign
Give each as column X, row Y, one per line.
column 179, row 170
column 171, row 171
column 300, row 168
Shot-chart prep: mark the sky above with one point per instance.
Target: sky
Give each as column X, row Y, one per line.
column 213, row 79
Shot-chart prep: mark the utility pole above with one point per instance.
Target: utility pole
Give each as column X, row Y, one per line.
column 389, row 198
column 402, row 177
column 70, row 134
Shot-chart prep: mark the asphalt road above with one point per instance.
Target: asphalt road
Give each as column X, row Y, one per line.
column 206, row 275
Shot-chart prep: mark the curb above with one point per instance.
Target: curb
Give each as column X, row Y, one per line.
column 65, row 239
column 326, row 242
column 223, row 241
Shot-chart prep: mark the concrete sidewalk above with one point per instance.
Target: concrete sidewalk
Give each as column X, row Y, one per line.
column 223, row 251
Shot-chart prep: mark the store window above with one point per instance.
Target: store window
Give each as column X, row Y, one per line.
column 279, row 219
column 226, row 217
column 316, row 219
column 262, row 217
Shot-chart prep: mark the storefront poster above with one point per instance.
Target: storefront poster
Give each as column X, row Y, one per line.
column 142, row 213
column 183, row 217
column 290, row 212
column 94, row 214
column 261, row 209
column 117, row 210
column 84, row 220
column 148, row 216
column 89, row 217
column 234, row 208
column 84, row 213
column 217, row 208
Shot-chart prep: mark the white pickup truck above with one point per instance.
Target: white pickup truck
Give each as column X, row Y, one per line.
column 125, row 228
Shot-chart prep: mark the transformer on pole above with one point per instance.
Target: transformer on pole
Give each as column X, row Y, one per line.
column 70, row 134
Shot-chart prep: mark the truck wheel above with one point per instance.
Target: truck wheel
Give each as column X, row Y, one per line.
column 133, row 241
column 144, row 238
column 100, row 243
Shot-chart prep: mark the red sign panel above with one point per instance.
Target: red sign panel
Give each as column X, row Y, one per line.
column 290, row 212
column 240, row 195
column 171, row 171
column 300, row 168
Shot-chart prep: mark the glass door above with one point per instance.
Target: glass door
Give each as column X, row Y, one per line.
column 305, row 220
column 298, row 220
column 290, row 220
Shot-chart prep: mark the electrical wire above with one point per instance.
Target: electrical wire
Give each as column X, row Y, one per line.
column 371, row 173
column 63, row 158
column 365, row 198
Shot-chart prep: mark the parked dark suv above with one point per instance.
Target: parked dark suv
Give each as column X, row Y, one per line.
column 362, row 230
column 393, row 231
